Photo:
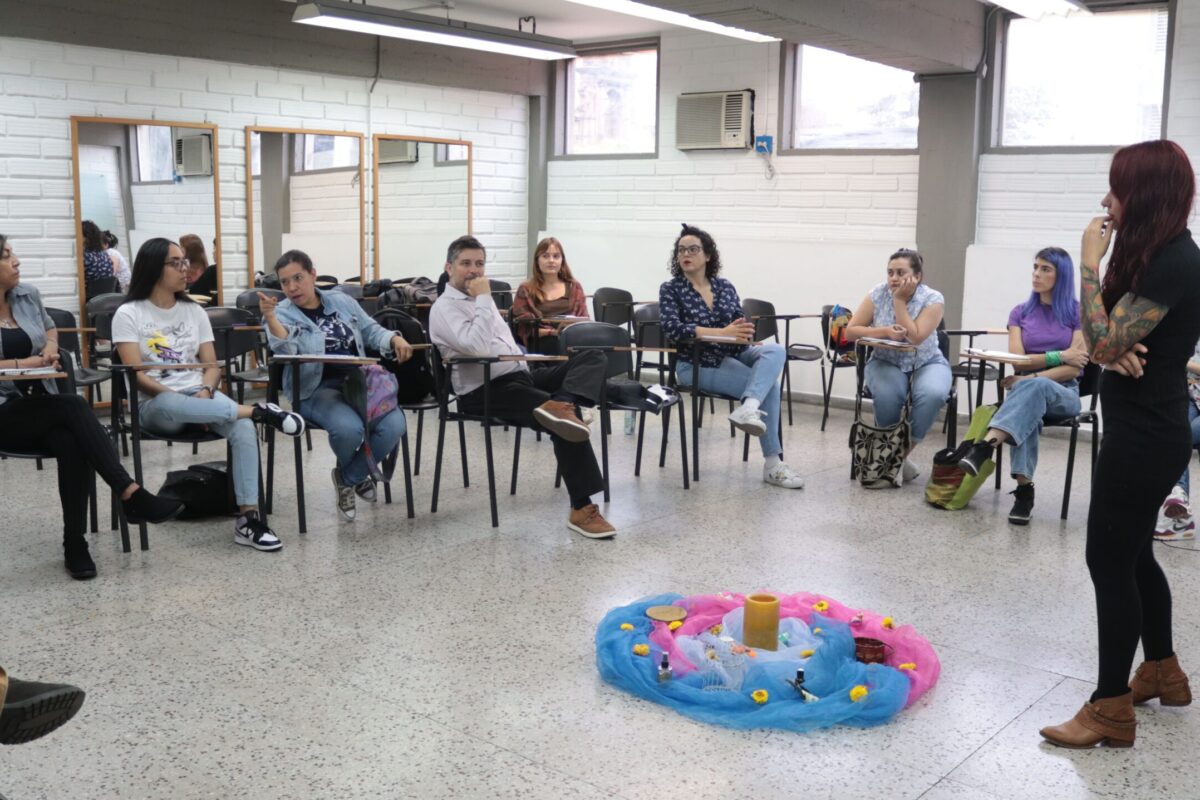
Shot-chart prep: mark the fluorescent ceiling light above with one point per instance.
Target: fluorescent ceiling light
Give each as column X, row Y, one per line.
column 421, row 28
column 1036, row 9
column 673, row 18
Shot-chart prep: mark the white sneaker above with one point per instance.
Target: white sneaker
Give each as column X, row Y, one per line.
column 250, row 531
column 749, row 420
column 910, row 471
column 782, row 475
column 345, row 497
column 587, row 415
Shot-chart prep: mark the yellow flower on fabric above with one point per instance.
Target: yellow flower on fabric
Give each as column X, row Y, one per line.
column 625, row 626
column 818, row 631
column 907, row 665
column 675, row 625
column 641, row 649
column 858, row 693
column 806, row 653
column 820, row 605
column 715, row 630
column 889, row 623
column 760, row 696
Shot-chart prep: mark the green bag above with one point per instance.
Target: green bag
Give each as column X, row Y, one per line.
column 949, row 486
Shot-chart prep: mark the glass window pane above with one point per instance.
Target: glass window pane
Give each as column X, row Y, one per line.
column 1060, row 87
column 329, row 152
column 847, row 102
column 255, row 154
column 156, row 153
column 613, row 104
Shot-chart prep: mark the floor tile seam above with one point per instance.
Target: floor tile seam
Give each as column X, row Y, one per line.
column 1017, row 664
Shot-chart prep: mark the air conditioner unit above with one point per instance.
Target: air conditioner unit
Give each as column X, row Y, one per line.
column 714, row 120
column 398, row 151
column 193, row 155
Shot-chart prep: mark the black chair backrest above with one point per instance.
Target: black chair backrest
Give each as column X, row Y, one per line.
column 268, row 280
column 99, row 286
column 65, row 319
column 647, row 327
column 249, row 300
column 1089, row 382
column 943, row 340
column 600, row 334
column 239, row 343
column 501, row 294
column 763, row 328
column 416, row 377
column 100, row 312
column 614, row 306
column 355, row 279
column 327, row 279
column 355, row 290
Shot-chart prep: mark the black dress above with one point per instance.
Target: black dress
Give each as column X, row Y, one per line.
column 1146, row 445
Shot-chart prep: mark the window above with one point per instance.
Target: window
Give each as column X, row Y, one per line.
column 1084, row 79
column 849, row 103
column 255, row 154
column 610, row 102
column 155, row 154
column 450, row 154
column 320, row 151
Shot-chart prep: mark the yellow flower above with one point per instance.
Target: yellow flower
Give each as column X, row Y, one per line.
column 907, row 665
column 806, row 653
column 625, row 626
column 760, row 696
column 817, row 631
column 820, row 605
column 889, row 623
column 675, row 625
column 715, row 630
column 858, row 693
column 641, row 649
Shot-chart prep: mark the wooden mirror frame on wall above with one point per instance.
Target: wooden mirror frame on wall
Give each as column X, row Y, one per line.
column 388, row 137
column 216, row 179
column 362, row 211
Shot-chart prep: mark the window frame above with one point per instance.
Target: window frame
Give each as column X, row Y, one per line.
column 789, row 65
column 440, row 156
column 297, row 160
column 560, row 107
column 135, row 157
column 993, row 105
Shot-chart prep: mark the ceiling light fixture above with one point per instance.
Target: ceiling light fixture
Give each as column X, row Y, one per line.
column 421, row 28
column 1036, row 9
column 673, row 18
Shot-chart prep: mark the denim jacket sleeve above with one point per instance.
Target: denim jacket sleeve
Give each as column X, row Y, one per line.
column 674, row 328
column 290, row 318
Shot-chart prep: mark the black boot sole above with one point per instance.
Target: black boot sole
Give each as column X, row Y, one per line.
column 969, row 468
column 82, row 574
column 37, row 716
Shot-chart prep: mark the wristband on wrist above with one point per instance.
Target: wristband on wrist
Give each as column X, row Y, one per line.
column 1054, row 358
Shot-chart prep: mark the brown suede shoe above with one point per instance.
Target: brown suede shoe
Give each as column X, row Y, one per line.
column 588, row 522
column 560, row 419
column 1162, row 679
column 1108, row 721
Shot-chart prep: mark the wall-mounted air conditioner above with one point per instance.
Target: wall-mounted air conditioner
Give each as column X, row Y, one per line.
column 193, row 155
column 714, row 120
column 398, row 151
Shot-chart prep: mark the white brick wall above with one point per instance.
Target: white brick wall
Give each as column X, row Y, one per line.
column 422, row 207
column 42, row 84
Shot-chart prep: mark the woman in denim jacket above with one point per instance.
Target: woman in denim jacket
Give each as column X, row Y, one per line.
column 312, row 322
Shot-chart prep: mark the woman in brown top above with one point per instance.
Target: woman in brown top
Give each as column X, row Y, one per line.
column 551, row 292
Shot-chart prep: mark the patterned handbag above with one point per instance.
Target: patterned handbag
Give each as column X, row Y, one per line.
column 877, row 454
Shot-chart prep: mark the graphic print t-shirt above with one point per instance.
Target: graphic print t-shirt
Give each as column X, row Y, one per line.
column 339, row 341
column 165, row 336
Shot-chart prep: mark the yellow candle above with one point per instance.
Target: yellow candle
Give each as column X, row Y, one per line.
column 761, row 622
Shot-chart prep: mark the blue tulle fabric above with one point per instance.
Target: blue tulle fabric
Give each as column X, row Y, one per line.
column 831, row 672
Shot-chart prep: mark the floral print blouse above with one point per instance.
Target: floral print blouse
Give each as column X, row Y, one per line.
column 682, row 309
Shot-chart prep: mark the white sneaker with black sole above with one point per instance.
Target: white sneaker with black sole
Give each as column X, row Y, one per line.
column 250, row 531
column 288, row 423
column 345, row 498
column 749, row 420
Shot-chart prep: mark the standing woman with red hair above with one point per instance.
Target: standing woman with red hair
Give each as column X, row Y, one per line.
column 1142, row 322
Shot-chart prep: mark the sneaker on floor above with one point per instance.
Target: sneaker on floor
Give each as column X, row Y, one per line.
column 783, row 475
column 910, row 471
column 560, row 419
column 749, row 420
column 366, row 490
column 1178, row 528
column 1176, row 504
column 251, row 531
column 1022, row 509
column 32, row 710
column 976, row 457
column 345, row 498
column 287, row 422
column 588, row 522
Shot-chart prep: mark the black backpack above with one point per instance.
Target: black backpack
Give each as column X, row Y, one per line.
column 204, row 489
column 414, row 376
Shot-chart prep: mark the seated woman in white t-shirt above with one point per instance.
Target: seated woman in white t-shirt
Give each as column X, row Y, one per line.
column 159, row 323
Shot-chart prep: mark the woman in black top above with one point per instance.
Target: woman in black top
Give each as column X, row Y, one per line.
column 1142, row 322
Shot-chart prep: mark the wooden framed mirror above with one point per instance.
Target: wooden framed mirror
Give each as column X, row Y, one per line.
column 304, row 191
column 139, row 179
column 421, row 201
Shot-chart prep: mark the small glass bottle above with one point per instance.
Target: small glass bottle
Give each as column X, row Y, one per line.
column 664, row 669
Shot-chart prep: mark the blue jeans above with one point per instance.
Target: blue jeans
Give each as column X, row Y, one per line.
column 1194, row 419
column 1021, row 414
column 329, row 409
column 170, row 412
column 889, row 389
column 754, row 373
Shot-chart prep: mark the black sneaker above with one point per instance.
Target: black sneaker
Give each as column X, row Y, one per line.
column 1022, row 508
column 975, row 458
column 32, row 710
column 251, row 531
column 145, row 507
column 286, row 422
column 78, row 559
column 366, row 490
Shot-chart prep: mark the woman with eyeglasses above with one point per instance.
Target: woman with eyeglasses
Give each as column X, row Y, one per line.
column 904, row 309
column 35, row 418
column 694, row 303
column 160, row 324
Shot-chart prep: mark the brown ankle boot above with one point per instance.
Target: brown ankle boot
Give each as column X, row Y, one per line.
column 1162, row 679
column 1109, row 720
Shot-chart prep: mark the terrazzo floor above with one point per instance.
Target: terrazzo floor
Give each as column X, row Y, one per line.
column 441, row 658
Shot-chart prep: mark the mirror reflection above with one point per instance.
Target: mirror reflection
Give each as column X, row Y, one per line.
column 138, row 180
column 306, row 193
column 422, row 202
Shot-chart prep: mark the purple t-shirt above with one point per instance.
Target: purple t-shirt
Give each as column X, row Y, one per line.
column 1041, row 331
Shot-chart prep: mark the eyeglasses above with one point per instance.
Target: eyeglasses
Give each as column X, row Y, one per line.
column 177, row 263
column 689, row 250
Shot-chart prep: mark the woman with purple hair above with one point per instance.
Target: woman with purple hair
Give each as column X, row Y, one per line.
column 1046, row 329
